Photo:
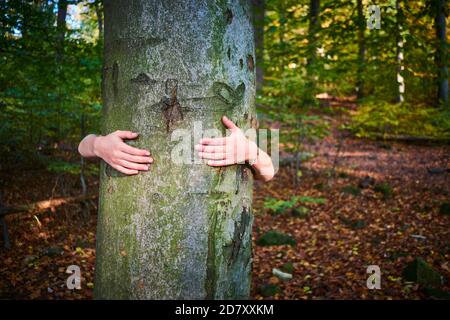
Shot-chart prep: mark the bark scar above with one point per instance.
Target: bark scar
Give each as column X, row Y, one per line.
column 143, row 79
column 172, row 107
column 115, row 78
column 227, row 94
column 239, row 232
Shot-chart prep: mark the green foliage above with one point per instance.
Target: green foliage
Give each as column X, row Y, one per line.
column 300, row 212
column 421, row 272
column 445, row 208
column 59, row 166
column 275, row 238
column 353, row 224
column 288, row 267
column 278, row 206
column 350, row 189
column 49, row 91
column 382, row 119
column 269, row 290
column 385, row 189
column 307, row 199
column 63, row 167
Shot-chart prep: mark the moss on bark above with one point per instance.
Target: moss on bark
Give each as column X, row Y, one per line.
column 179, row 231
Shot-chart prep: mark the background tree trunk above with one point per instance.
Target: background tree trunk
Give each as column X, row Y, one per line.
column 179, row 231
column 442, row 52
column 259, row 10
column 60, row 37
column 314, row 27
column 400, row 56
column 361, row 49
column 99, row 13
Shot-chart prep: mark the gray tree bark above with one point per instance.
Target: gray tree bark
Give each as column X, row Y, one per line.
column 400, row 53
column 179, row 231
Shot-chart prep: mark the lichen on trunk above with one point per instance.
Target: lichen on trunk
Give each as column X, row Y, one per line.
column 179, row 231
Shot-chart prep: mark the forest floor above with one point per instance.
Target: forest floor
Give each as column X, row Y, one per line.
column 388, row 220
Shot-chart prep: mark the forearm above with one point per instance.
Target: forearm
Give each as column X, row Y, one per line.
column 87, row 146
column 263, row 166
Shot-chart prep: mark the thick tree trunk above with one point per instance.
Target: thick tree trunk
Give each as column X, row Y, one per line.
column 258, row 25
column 441, row 52
column 179, row 231
column 361, row 49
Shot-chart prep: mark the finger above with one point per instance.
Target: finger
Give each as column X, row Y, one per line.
column 135, row 159
column 214, row 141
column 210, row 149
column 126, row 134
column 220, row 163
column 229, row 124
column 132, row 165
column 132, row 150
column 124, row 170
column 212, row 156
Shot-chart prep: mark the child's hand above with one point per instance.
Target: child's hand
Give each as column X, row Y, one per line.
column 119, row 155
column 233, row 149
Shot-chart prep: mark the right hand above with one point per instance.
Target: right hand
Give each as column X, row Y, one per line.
column 121, row 156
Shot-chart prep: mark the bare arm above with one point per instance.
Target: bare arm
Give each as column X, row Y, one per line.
column 236, row 148
column 263, row 166
column 115, row 152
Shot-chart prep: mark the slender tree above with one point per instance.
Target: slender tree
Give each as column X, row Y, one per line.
column 314, row 27
column 442, row 51
column 60, row 37
column 400, row 50
column 181, row 230
column 361, row 22
column 99, row 12
column 258, row 23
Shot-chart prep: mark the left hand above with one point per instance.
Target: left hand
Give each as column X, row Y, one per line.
column 230, row 150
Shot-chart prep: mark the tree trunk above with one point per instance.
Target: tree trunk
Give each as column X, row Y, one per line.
column 258, row 25
column 361, row 50
column 400, row 57
column 179, row 231
column 99, row 13
column 60, row 36
column 61, row 29
column 314, row 27
column 441, row 52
